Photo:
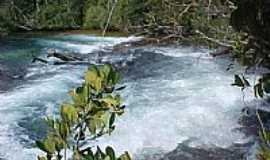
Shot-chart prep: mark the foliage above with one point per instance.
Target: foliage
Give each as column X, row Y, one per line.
column 253, row 19
column 97, row 13
column 264, row 151
column 252, row 48
column 180, row 17
column 261, row 89
column 241, row 82
column 91, row 114
column 53, row 16
column 41, row 14
column 184, row 18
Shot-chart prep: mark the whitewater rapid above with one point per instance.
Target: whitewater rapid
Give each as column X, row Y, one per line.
column 173, row 94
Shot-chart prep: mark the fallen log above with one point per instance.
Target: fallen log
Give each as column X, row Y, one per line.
column 64, row 57
column 36, row 59
column 72, row 63
column 25, row 28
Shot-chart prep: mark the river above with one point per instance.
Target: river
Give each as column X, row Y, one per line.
column 179, row 99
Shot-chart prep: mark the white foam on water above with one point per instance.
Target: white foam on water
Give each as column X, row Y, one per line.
column 46, row 93
column 162, row 111
column 93, row 43
column 93, row 38
column 180, row 51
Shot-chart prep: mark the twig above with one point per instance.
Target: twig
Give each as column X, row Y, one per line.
column 209, row 5
column 262, row 127
column 213, row 40
column 170, row 36
column 185, row 10
column 109, row 18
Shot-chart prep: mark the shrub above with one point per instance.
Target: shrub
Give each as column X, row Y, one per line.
column 97, row 12
column 91, row 114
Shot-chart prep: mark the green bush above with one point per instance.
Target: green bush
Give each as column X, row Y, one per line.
column 95, row 17
column 97, row 13
column 91, row 114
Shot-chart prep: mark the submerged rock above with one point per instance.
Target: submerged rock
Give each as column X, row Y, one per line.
column 8, row 77
column 185, row 152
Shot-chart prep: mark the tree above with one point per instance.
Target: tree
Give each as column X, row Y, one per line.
column 253, row 18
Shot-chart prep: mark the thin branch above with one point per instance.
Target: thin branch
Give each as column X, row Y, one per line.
column 262, row 127
column 185, row 10
column 209, row 6
column 109, row 17
column 213, row 40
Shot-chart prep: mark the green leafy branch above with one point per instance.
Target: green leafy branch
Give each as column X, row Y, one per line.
column 261, row 88
column 90, row 115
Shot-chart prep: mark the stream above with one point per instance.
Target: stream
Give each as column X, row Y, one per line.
column 180, row 104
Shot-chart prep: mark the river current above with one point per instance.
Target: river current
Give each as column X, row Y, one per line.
column 174, row 95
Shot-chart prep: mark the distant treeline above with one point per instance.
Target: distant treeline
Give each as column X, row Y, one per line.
column 128, row 15
column 40, row 14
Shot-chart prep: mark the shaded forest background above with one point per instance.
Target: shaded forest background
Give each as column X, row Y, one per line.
column 128, row 15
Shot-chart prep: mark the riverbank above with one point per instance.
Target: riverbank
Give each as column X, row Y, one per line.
column 63, row 32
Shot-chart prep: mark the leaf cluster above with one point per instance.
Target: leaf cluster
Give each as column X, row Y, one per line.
column 261, row 88
column 253, row 19
column 90, row 115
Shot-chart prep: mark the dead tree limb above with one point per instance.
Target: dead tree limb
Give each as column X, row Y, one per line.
column 185, row 10
column 36, row 59
column 213, row 40
column 72, row 63
column 23, row 27
column 109, row 17
column 64, row 57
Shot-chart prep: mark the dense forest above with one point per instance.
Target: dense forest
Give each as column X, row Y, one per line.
column 128, row 15
column 180, row 19
column 238, row 28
